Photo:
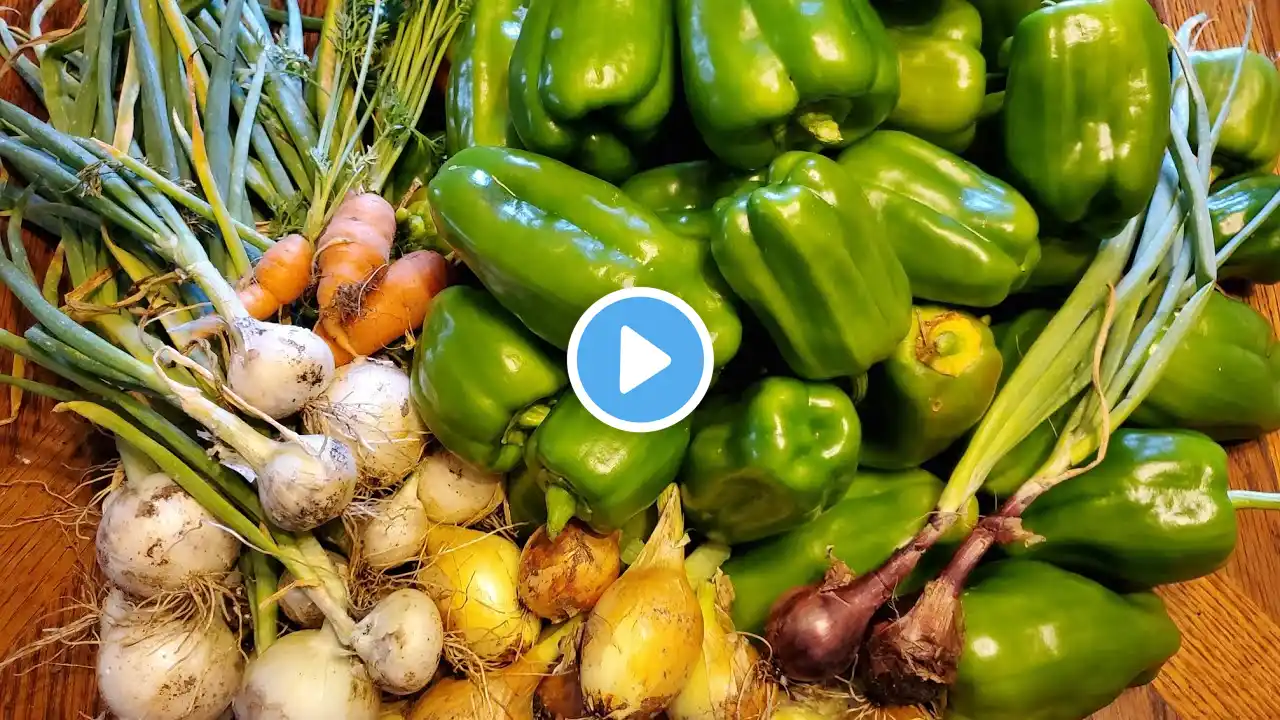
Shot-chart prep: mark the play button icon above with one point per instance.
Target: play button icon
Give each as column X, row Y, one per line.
column 640, row 359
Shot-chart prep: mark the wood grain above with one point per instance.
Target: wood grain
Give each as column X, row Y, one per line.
column 1228, row 668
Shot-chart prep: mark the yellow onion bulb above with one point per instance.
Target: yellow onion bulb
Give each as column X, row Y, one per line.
column 644, row 636
column 729, row 682
column 565, row 576
column 472, row 577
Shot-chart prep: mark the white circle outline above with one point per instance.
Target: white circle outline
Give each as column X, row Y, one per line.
column 708, row 360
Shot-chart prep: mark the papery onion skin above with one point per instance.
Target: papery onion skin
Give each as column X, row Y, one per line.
column 154, row 537
column 562, row 577
column 277, row 369
column 642, row 639
column 307, row 675
column 401, row 640
column 455, row 493
column 150, row 668
column 368, row 405
column 815, row 631
column 472, row 577
column 559, row 697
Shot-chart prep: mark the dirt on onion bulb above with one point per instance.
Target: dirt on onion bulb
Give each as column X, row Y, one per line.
column 396, row 530
column 472, row 577
column 566, row 576
column 402, row 638
column 154, row 667
column 455, row 493
column 368, row 405
column 307, row 675
column 153, row 537
column 642, row 639
column 277, row 369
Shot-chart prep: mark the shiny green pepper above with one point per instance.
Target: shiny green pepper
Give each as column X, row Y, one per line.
column 878, row 513
column 548, row 241
column 481, row 382
column 1232, row 207
column 1154, row 511
column 963, row 236
column 1041, row 643
column 1223, row 379
column 1251, row 137
column 1014, row 339
column 770, row 461
column 943, row 76
column 807, row 254
column 931, row 391
column 476, row 97
column 764, row 78
column 597, row 473
column 1086, row 109
column 592, row 80
column 684, row 194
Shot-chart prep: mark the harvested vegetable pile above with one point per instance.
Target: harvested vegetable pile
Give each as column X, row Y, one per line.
column 324, row 313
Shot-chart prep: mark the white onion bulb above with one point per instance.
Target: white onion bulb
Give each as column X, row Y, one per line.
column 307, row 675
column 454, row 492
column 277, row 368
column 401, row 640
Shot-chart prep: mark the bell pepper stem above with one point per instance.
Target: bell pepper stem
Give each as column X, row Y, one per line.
column 561, row 507
column 1254, row 500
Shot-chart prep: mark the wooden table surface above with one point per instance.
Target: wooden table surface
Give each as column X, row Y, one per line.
column 1228, row 668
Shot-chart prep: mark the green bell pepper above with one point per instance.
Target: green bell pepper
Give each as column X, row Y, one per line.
column 1232, row 207
column 807, row 254
column 1062, row 264
column 963, row 236
column 481, row 381
column 771, row 460
column 548, row 241
column 1014, row 338
column 1223, row 379
column 878, row 513
column 764, row 78
column 999, row 19
column 592, row 80
column 931, row 391
column 684, row 194
column 943, row 75
column 1087, row 108
column 597, row 473
column 1251, row 138
column 477, row 110
column 1154, row 511
column 1041, row 643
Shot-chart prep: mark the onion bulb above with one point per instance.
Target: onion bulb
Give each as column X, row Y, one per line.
column 729, row 681
column 368, row 405
column 154, row 537
column 454, row 492
column 151, row 667
column 295, row 602
column 307, row 675
column 472, row 577
column 566, row 576
column 559, row 697
column 397, row 530
column 505, row 694
column 276, row 368
column 643, row 638
column 401, row 640
column 303, row 481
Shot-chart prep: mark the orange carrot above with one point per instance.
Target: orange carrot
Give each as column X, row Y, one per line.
column 280, row 277
column 397, row 304
column 355, row 245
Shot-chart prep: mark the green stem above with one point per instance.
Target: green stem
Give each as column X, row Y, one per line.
column 244, row 134
column 1254, row 500
column 266, row 610
column 39, row 388
column 310, row 23
column 158, row 131
column 186, row 478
